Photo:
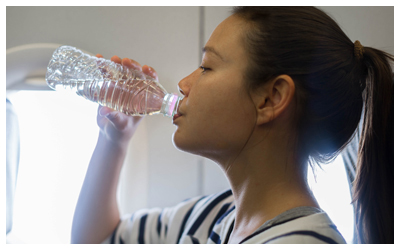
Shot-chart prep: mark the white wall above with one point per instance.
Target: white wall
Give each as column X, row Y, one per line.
column 372, row 26
column 170, row 40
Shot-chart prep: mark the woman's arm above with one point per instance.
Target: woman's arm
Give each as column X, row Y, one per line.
column 96, row 213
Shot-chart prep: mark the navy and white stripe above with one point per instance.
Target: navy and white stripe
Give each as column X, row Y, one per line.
column 305, row 233
column 210, row 219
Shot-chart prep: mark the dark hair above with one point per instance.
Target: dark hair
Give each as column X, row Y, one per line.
column 333, row 84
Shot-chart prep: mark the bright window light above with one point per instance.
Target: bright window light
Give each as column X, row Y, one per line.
column 58, row 133
column 332, row 192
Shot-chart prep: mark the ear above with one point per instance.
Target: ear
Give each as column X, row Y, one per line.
column 273, row 99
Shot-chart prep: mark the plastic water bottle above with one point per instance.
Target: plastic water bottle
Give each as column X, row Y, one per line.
column 109, row 84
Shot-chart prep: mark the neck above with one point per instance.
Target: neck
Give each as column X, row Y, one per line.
column 265, row 183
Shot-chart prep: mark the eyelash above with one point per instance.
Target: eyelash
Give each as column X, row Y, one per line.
column 204, row 69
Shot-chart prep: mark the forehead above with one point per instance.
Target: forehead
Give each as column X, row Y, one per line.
column 227, row 38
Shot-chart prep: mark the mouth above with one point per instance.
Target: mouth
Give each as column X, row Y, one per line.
column 178, row 113
column 176, row 116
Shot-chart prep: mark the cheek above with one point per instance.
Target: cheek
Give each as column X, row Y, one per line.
column 217, row 123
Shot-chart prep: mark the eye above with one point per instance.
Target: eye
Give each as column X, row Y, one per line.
column 204, row 69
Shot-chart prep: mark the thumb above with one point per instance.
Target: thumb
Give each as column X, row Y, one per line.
column 104, row 111
column 116, row 118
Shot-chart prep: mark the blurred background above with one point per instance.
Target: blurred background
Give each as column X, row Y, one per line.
column 57, row 133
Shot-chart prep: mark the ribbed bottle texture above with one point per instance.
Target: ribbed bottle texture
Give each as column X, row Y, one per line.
column 109, row 84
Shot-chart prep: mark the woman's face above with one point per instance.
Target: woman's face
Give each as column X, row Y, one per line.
column 217, row 113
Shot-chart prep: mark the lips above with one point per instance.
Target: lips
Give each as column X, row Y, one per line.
column 177, row 115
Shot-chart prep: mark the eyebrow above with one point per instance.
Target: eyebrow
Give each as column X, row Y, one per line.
column 212, row 50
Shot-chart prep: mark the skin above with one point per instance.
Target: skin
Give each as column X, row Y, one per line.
column 218, row 117
column 214, row 99
column 248, row 134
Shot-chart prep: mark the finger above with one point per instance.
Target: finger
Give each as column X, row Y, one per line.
column 116, row 59
column 104, row 111
column 99, row 55
column 132, row 64
column 117, row 119
column 101, row 120
column 137, row 119
column 150, row 71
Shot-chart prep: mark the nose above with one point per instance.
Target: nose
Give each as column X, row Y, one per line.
column 185, row 85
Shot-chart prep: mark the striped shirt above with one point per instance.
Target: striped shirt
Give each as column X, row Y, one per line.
column 210, row 219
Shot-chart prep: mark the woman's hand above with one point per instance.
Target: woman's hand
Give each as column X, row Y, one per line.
column 116, row 126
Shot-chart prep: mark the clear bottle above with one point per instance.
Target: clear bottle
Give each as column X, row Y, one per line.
column 109, row 84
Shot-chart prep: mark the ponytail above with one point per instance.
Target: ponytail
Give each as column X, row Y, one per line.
column 335, row 79
column 373, row 191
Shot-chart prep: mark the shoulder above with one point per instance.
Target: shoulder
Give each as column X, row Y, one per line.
column 211, row 201
column 201, row 207
column 312, row 229
column 207, row 213
column 210, row 208
column 188, row 220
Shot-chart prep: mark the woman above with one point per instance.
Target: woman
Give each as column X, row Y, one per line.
column 278, row 87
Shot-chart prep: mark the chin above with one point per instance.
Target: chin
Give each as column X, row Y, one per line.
column 196, row 147
column 184, row 143
column 179, row 141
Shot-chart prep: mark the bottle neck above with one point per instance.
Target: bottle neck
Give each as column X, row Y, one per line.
column 170, row 105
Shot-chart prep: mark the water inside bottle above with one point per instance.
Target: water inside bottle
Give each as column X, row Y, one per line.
column 104, row 82
column 131, row 97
